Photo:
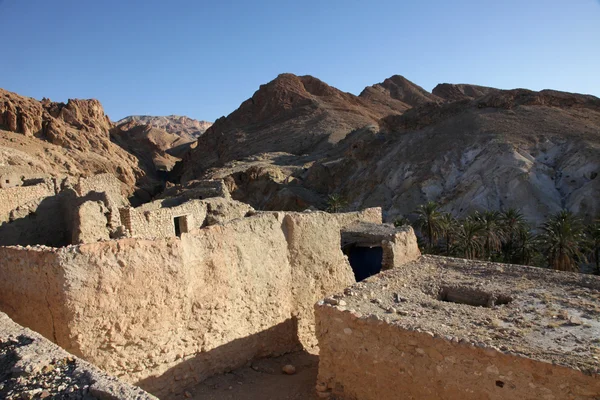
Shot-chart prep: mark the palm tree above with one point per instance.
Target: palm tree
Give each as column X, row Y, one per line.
column 561, row 239
column 470, row 239
column 336, row 203
column 449, row 227
column 525, row 247
column 429, row 222
column 513, row 223
column 593, row 238
column 491, row 231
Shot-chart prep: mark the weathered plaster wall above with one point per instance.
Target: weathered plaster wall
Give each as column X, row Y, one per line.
column 364, row 357
column 170, row 312
column 314, row 242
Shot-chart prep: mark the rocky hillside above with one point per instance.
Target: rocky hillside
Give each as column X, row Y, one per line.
column 186, row 128
column 536, row 151
column 44, row 138
column 298, row 140
column 295, row 114
column 452, row 92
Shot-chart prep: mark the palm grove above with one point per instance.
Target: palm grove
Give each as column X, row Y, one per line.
column 563, row 242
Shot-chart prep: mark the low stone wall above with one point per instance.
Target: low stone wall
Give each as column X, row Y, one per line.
column 168, row 313
column 34, row 367
column 363, row 357
column 446, row 328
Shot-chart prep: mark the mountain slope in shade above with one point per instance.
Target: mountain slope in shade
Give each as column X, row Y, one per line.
column 453, row 92
column 187, row 128
column 156, row 149
column 296, row 114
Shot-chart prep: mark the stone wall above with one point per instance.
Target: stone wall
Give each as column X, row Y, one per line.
column 151, row 222
column 29, row 361
column 13, row 197
column 170, row 312
column 364, row 357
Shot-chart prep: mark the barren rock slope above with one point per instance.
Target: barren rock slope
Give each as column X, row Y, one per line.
column 295, row 114
column 49, row 138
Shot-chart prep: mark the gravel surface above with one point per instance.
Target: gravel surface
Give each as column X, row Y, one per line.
column 533, row 312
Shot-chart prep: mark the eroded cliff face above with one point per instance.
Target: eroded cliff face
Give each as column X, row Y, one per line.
column 40, row 138
column 538, row 152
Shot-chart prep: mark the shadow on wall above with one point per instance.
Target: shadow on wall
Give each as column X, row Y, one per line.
column 43, row 225
column 50, row 223
column 193, row 369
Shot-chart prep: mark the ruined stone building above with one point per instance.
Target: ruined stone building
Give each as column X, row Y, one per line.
column 187, row 286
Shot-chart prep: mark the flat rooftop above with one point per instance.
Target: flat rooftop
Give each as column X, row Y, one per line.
column 532, row 312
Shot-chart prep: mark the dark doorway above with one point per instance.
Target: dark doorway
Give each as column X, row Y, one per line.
column 365, row 261
column 180, row 225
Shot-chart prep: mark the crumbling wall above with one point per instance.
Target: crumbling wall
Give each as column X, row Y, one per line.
column 113, row 190
column 365, row 357
column 90, row 222
column 32, row 290
column 34, row 367
column 55, row 213
column 317, row 262
column 169, row 312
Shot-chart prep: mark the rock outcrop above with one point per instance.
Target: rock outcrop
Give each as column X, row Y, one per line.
column 60, row 139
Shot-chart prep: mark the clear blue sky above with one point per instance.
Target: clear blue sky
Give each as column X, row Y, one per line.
column 203, row 58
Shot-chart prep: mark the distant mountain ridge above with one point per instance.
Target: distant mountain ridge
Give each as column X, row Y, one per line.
column 187, row 128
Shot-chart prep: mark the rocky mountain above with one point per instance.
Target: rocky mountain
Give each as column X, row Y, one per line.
column 398, row 94
column 45, row 138
column 452, row 92
column 187, row 128
column 298, row 140
column 156, row 149
column 295, row 114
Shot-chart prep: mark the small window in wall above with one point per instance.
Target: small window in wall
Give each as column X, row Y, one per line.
column 181, row 225
column 365, row 261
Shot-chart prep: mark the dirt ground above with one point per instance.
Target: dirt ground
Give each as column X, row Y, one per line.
column 263, row 380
